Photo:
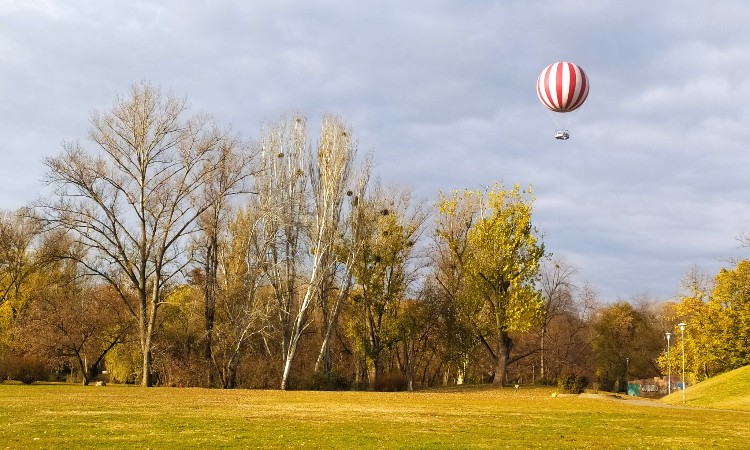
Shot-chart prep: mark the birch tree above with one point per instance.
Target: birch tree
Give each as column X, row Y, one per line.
column 132, row 202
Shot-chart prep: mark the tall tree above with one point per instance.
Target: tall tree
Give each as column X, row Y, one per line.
column 498, row 252
column 449, row 253
column 557, row 292
column 243, row 306
column 132, row 203
column 337, row 284
column 628, row 341
column 232, row 168
column 384, row 268
column 301, row 190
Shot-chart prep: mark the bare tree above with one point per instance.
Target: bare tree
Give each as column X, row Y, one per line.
column 557, row 292
column 132, row 204
column 232, row 168
column 242, row 310
column 338, row 283
column 696, row 282
column 301, row 191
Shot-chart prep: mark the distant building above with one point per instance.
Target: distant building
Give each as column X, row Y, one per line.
column 655, row 387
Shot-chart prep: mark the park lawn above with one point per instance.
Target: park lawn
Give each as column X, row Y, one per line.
column 730, row 390
column 71, row 416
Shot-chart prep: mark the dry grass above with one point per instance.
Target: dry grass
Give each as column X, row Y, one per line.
column 729, row 390
column 66, row 416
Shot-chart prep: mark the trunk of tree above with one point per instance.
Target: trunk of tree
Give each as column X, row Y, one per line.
column 299, row 325
column 541, row 351
column 285, row 374
column 210, row 288
column 230, row 375
column 147, row 379
column 502, row 355
column 375, row 371
column 408, row 364
column 83, row 365
column 323, row 363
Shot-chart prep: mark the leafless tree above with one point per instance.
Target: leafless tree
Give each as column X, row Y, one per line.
column 301, row 190
column 697, row 283
column 232, row 168
column 242, row 306
column 338, row 283
column 132, row 203
column 557, row 291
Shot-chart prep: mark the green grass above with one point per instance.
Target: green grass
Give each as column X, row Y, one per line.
column 729, row 390
column 68, row 416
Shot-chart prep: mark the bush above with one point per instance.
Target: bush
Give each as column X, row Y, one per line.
column 326, row 382
column 545, row 381
column 604, row 385
column 391, row 383
column 4, row 367
column 573, row 384
column 27, row 369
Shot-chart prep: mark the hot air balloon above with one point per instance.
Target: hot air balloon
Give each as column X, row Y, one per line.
column 562, row 87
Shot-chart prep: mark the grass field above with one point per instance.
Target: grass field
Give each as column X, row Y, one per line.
column 69, row 416
column 729, row 390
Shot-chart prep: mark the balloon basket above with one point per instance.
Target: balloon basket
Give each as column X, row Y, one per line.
column 562, row 135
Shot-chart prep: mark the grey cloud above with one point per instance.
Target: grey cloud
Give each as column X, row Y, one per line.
column 651, row 183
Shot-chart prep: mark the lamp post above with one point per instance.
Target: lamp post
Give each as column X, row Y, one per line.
column 627, row 369
column 669, row 365
column 627, row 377
column 682, row 326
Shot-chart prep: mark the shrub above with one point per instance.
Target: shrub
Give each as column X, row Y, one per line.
column 390, row 383
column 604, row 385
column 545, row 381
column 4, row 367
column 123, row 363
column 573, row 384
column 326, row 382
column 27, row 369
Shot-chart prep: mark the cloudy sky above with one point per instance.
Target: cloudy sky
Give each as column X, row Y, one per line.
column 652, row 182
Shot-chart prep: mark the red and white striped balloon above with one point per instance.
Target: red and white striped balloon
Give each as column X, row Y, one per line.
column 562, row 87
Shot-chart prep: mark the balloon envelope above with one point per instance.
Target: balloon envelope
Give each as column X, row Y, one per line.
column 562, row 87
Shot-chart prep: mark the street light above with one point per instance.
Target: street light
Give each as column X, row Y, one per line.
column 627, row 369
column 669, row 365
column 682, row 326
column 627, row 378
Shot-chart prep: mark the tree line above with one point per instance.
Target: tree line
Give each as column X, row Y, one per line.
column 173, row 252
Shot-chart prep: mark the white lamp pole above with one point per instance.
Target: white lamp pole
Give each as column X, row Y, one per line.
column 682, row 326
column 669, row 365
